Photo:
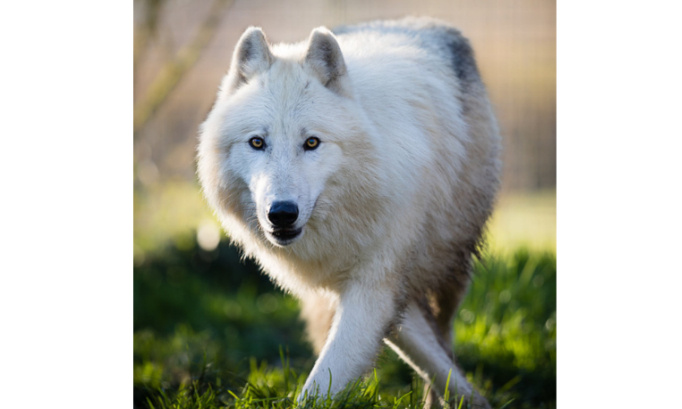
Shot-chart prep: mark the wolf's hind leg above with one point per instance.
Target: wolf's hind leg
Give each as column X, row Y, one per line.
column 417, row 343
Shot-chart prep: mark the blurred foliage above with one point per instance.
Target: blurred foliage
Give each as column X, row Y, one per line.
column 211, row 331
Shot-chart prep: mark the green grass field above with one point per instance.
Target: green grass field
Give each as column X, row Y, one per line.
column 210, row 331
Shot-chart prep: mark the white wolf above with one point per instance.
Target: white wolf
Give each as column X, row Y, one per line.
column 359, row 168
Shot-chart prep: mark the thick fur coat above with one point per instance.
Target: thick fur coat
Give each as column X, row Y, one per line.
column 359, row 168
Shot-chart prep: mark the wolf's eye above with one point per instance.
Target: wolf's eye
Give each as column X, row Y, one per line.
column 311, row 143
column 257, row 143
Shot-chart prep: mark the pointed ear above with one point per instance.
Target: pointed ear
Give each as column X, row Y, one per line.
column 251, row 55
column 325, row 58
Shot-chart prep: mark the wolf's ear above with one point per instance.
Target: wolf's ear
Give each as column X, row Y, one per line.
column 251, row 55
column 325, row 58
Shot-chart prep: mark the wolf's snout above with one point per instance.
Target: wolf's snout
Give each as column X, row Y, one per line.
column 283, row 214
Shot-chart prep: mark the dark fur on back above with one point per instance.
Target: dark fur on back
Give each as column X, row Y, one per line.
column 463, row 61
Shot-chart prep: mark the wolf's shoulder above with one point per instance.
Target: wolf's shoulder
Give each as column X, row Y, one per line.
column 431, row 35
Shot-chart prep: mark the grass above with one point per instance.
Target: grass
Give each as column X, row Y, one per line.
column 210, row 331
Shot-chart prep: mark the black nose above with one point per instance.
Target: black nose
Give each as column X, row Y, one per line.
column 283, row 214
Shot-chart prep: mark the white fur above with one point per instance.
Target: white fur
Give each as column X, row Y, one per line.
column 416, row 343
column 400, row 177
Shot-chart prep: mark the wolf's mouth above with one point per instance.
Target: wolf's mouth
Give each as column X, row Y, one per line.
column 285, row 236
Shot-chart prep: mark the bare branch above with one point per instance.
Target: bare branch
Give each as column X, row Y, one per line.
column 173, row 71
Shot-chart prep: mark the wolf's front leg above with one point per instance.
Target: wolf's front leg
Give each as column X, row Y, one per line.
column 363, row 316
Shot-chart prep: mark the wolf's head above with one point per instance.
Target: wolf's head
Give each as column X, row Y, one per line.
column 275, row 138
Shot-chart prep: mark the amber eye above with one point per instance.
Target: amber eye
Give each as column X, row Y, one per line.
column 257, row 142
column 311, row 143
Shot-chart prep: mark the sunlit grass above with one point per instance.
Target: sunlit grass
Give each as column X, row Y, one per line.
column 523, row 220
column 168, row 213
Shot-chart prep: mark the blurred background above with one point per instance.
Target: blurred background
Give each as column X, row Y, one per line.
column 183, row 48
column 194, row 298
